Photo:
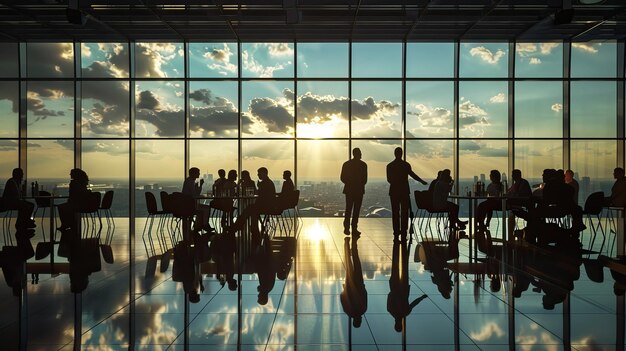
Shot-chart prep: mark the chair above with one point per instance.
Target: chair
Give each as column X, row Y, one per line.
column 89, row 211
column 105, row 207
column 593, row 208
column 153, row 212
column 423, row 200
column 290, row 208
column 169, row 223
column 7, row 214
column 184, row 208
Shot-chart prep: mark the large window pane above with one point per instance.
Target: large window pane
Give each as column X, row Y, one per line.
column 50, row 109
column 267, row 60
column 593, row 162
column 376, row 109
column 319, row 169
column 483, row 109
column 533, row 156
column 593, row 109
column 325, row 60
column 106, row 163
column 484, row 60
column 539, row 60
column 213, row 109
column 275, row 155
column 159, row 60
column 8, row 158
column 268, row 109
column 478, row 157
column 427, row 157
column 50, row 60
column 49, row 163
column 104, row 60
column 377, row 60
column 538, row 109
column 212, row 60
column 203, row 154
column 159, row 109
column 105, row 107
column 429, row 60
column 9, row 109
column 322, row 109
column 430, row 109
column 9, row 67
column 594, row 59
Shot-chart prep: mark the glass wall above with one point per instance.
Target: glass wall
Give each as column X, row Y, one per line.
column 167, row 106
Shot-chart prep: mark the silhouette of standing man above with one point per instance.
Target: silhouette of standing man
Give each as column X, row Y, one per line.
column 354, row 178
column 398, row 172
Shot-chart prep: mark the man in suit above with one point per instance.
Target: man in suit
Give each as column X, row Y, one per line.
column 398, row 172
column 354, row 178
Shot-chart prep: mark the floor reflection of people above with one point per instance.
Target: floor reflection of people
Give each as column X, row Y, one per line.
column 399, row 289
column 266, row 270
column 354, row 295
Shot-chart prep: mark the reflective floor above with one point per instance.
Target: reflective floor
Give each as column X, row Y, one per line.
column 337, row 293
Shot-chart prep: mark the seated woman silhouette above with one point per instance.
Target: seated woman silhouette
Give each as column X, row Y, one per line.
column 441, row 203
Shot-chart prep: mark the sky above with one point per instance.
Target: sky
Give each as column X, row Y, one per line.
column 272, row 105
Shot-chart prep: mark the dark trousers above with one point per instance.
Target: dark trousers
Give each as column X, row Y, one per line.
column 400, row 213
column 353, row 207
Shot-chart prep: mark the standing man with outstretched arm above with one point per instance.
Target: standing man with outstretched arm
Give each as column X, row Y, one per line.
column 398, row 172
column 354, row 178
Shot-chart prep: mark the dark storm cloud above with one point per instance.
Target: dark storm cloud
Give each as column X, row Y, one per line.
column 147, row 100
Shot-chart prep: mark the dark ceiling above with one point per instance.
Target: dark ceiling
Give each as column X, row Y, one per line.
column 312, row 20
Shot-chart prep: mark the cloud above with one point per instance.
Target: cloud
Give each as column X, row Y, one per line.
column 250, row 64
column 108, row 114
column 368, row 108
column 589, row 48
column 147, row 100
column 481, row 149
column 9, row 92
column 222, row 58
column 556, row 107
column 39, row 94
column 432, row 117
column 469, row 145
column 499, row 98
column 50, row 59
column 215, row 115
column 8, row 145
column 534, row 61
column 151, row 57
column 488, row 331
column 471, row 115
column 280, row 49
column 272, row 114
column 486, row 55
column 525, row 49
column 546, row 48
column 321, row 107
column 380, row 129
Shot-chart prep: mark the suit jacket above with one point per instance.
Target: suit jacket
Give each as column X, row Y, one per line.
column 11, row 194
column 398, row 172
column 354, row 177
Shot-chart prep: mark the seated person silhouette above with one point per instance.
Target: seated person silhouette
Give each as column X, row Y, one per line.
column 12, row 200
column 618, row 191
column 246, row 184
column 78, row 194
column 484, row 209
column 354, row 295
column 399, row 289
column 224, row 190
column 193, row 189
column 265, row 203
column 217, row 183
column 519, row 194
column 441, row 203
column 288, row 187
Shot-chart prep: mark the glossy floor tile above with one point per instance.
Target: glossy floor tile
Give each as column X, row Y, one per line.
column 330, row 292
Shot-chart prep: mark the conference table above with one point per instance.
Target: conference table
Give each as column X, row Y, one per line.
column 473, row 201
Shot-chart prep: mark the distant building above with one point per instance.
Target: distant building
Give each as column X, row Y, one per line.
column 482, row 177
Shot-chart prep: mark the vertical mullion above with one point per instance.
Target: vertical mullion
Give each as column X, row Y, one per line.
column 131, row 194
column 77, row 105
column 22, row 111
column 186, row 106
column 349, row 98
column 457, row 173
column 511, row 102
column 295, row 113
column 567, row 60
column 620, row 103
column 403, row 132
column 239, row 83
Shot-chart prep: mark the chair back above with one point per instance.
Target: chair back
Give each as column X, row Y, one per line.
column 423, row 199
column 92, row 202
column 183, row 205
column 594, row 203
column 166, row 202
column 43, row 202
column 107, row 200
column 151, row 204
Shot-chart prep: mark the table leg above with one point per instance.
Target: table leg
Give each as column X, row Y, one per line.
column 470, row 221
column 619, row 233
column 52, row 235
